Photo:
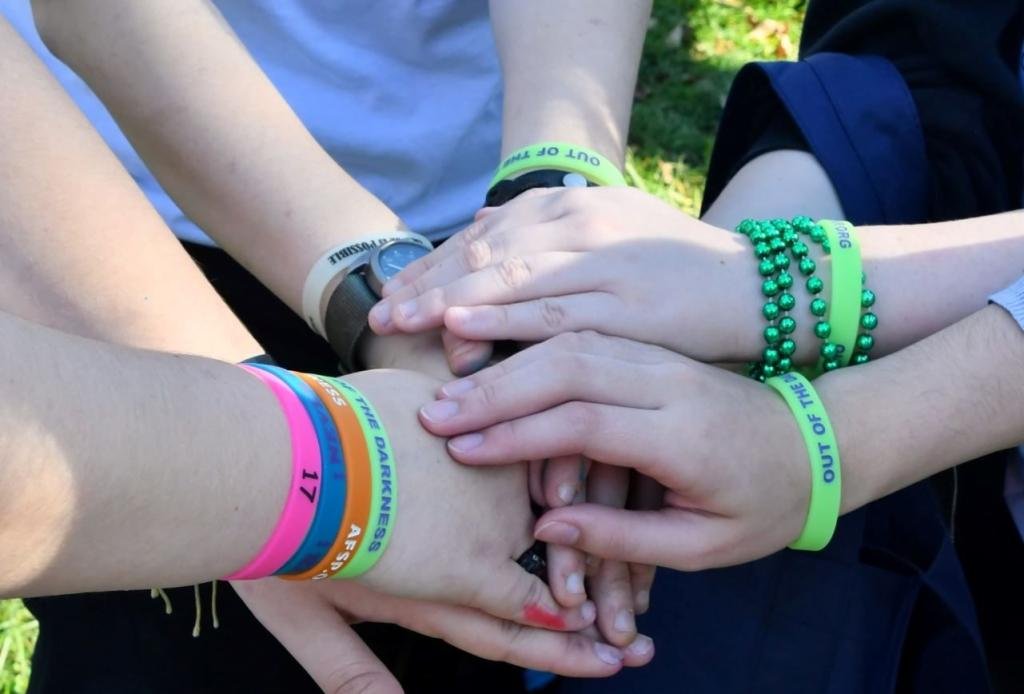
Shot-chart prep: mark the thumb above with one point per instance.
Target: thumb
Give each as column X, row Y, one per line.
column 675, row 538
column 311, row 629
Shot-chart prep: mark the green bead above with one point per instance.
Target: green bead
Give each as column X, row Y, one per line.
column 868, row 321
column 770, row 355
column 786, row 301
column 746, row 227
column 822, row 329
column 817, row 234
column 769, row 287
column 829, row 351
column 800, row 250
column 785, row 280
column 807, row 266
column 785, row 365
column 865, row 342
column 867, row 298
column 830, row 365
column 781, row 261
column 787, row 348
column 815, row 285
column 758, row 236
column 787, row 325
column 771, row 232
column 767, row 371
column 818, row 307
column 790, row 237
column 772, row 335
column 826, row 246
column 860, row 358
column 803, row 222
column 761, row 250
column 777, row 244
column 766, row 268
column 770, row 310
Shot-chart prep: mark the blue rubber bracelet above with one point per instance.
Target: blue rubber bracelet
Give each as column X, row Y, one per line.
column 331, row 505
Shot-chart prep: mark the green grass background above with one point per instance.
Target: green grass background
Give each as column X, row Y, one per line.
column 693, row 49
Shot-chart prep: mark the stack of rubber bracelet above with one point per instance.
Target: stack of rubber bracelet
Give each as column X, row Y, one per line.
column 340, row 509
column 843, row 323
column 560, row 156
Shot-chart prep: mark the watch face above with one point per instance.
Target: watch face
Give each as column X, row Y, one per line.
column 390, row 259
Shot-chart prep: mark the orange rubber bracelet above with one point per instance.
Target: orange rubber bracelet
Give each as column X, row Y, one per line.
column 357, row 466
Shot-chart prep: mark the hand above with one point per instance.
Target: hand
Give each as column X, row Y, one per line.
column 312, row 623
column 423, row 353
column 613, row 260
column 457, row 530
column 726, row 448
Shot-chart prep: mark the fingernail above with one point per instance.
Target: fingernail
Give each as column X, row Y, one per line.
column 588, row 611
column 439, row 410
column 574, row 583
column 607, row 654
column 408, row 308
column 642, row 601
column 642, row 645
column 381, row 314
column 556, row 532
column 624, row 621
column 463, row 385
column 566, row 492
column 466, row 442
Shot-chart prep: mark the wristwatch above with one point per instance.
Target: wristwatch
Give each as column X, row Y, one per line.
column 351, row 301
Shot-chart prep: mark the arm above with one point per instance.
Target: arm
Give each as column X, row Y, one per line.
column 83, row 250
column 569, row 70
column 741, row 491
column 609, row 260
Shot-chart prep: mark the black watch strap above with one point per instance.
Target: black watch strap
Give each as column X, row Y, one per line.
column 503, row 191
column 346, row 320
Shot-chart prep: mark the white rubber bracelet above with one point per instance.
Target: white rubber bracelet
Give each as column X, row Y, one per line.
column 340, row 260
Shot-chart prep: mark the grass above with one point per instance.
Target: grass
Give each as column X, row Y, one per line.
column 693, row 49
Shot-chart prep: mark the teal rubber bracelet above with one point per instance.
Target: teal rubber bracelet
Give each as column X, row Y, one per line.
column 564, row 157
column 847, row 282
column 826, row 477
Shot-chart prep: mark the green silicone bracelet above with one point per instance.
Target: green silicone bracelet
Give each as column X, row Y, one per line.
column 820, row 439
column 847, row 280
column 383, row 487
column 564, row 157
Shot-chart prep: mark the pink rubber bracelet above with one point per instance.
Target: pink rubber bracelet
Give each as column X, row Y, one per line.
column 300, row 505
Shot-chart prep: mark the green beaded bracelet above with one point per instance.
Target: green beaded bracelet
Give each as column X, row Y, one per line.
column 826, row 478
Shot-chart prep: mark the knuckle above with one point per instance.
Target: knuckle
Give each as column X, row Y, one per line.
column 355, row 677
column 581, row 419
column 477, row 255
column 514, row 272
column 553, row 314
column 488, row 395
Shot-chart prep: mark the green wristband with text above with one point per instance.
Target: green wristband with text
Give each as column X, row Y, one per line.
column 847, row 281
column 384, row 484
column 564, row 157
column 820, row 439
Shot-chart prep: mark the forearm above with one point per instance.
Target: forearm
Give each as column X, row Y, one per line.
column 83, row 249
column 569, row 70
column 952, row 397
column 123, row 469
column 215, row 132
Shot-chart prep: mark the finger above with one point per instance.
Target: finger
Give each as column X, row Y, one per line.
column 569, row 654
column 644, row 495
column 566, row 570
column 465, row 356
column 684, row 540
column 535, row 480
column 320, row 640
column 504, row 279
column 602, row 433
column 611, row 587
column 565, row 480
column 513, row 594
column 543, row 385
column 636, row 654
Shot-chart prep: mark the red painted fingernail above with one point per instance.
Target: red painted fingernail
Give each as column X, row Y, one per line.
column 535, row 614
